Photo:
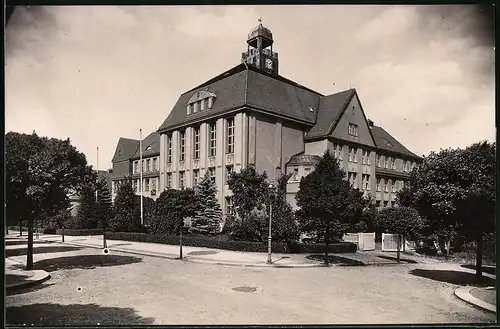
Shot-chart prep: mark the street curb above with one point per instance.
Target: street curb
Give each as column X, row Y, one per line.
column 463, row 293
column 38, row 277
column 197, row 260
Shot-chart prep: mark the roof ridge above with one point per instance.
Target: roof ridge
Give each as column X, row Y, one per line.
column 231, row 71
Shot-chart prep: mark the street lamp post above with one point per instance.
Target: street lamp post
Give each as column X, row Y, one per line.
column 269, row 238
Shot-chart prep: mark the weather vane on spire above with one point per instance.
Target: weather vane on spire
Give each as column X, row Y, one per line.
column 260, row 20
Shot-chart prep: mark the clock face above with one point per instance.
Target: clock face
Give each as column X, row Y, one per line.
column 269, row 63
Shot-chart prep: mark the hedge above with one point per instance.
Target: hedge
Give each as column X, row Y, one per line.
column 245, row 246
column 94, row 231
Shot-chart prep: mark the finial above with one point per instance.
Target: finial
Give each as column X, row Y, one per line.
column 260, row 20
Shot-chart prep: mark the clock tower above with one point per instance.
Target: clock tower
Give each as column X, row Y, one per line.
column 260, row 50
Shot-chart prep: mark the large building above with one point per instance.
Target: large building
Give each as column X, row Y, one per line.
column 252, row 115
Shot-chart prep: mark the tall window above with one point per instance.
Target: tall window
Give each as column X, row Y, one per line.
column 353, row 129
column 378, row 185
column 379, row 160
column 393, row 163
column 169, row 180
column 153, row 184
column 213, row 140
column 365, row 183
column 143, row 166
column 393, row 187
column 211, row 173
column 295, row 174
column 337, row 151
column 196, row 154
column 169, row 148
column 183, row 146
column 146, row 185
column 387, row 183
column 155, row 164
column 229, row 170
column 413, row 165
column 136, row 167
column 196, row 175
column 386, row 162
column 405, row 165
column 352, row 179
column 350, row 154
column 196, row 107
column 353, row 154
column 148, row 163
column 181, row 179
column 230, row 135
column 205, row 106
column 229, row 204
column 135, row 185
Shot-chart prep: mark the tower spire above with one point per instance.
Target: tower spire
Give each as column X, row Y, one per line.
column 260, row 49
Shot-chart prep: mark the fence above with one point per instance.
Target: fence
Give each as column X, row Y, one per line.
column 389, row 242
column 364, row 241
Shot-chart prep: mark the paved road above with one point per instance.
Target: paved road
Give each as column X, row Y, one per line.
column 90, row 288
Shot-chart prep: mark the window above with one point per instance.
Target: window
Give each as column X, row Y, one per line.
column 307, row 171
column 230, row 135
column 181, row 179
column 196, row 154
column 405, row 166
column 368, row 157
column 365, row 183
column 350, row 154
column 155, row 164
column 413, row 165
column 213, row 140
column 393, row 161
column 148, row 163
column 196, row 175
column 378, row 184
column 206, row 105
column 353, row 154
column 211, row 172
column 146, row 185
column 386, row 185
column 353, row 129
column 183, row 145
column 169, row 149
column 202, row 105
column 229, row 204
column 229, row 170
column 393, row 187
column 377, row 204
column 352, row 179
column 169, row 180
column 135, row 185
column 153, row 184
column 386, row 204
column 386, row 162
column 338, row 151
column 363, row 156
column 136, row 167
column 143, row 166
column 295, row 176
column 379, row 160
column 196, row 107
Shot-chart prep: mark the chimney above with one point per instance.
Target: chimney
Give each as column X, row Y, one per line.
column 370, row 123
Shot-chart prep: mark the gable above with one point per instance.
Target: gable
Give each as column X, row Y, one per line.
column 353, row 114
column 125, row 149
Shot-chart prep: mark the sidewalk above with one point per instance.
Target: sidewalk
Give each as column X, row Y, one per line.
column 190, row 254
column 16, row 279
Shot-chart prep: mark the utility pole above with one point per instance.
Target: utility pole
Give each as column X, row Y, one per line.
column 140, row 164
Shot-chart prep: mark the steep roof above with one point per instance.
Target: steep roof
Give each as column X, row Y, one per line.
column 248, row 86
column 329, row 112
column 150, row 146
column 303, row 159
column 125, row 149
column 384, row 141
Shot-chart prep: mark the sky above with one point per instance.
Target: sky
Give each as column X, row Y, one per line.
column 98, row 73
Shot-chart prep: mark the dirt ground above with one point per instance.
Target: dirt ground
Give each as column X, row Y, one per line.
column 89, row 288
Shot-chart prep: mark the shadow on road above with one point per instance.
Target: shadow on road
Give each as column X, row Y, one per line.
column 453, row 277
column 14, row 278
column 41, row 250
column 18, row 243
column 75, row 314
column 402, row 260
column 85, row 262
column 343, row 261
column 488, row 269
column 19, row 291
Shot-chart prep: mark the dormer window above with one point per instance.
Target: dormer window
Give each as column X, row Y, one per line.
column 200, row 101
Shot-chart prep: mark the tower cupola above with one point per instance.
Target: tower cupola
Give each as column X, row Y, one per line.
column 260, row 50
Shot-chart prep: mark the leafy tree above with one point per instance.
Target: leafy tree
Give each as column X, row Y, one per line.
column 250, row 191
column 209, row 214
column 86, row 216
column 171, row 210
column 127, row 210
column 455, row 190
column 403, row 221
column 40, row 172
column 284, row 226
column 328, row 202
column 105, row 211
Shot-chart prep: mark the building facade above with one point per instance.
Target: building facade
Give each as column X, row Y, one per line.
column 252, row 115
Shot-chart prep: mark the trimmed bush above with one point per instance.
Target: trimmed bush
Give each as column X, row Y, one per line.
column 94, row 231
column 217, row 242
